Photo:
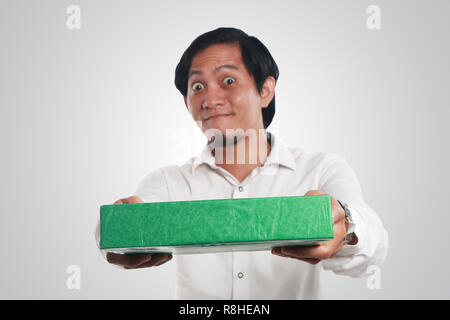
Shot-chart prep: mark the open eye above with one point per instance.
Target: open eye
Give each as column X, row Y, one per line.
column 197, row 86
column 227, row 80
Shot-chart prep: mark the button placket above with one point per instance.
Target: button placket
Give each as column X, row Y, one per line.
column 241, row 284
column 240, row 191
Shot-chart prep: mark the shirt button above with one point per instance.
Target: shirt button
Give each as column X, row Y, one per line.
column 241, row 188
column 240, row 275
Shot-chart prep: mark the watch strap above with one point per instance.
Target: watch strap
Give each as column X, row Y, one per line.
column 349, row 220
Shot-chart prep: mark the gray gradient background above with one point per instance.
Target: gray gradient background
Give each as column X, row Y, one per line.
column 86, row 114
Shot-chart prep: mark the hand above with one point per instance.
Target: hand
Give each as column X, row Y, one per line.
column 323, row 250
column 137, row 260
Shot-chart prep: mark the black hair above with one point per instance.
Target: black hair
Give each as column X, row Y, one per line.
column 256, row 57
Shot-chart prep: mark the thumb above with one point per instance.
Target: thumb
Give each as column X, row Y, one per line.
column 313, row 193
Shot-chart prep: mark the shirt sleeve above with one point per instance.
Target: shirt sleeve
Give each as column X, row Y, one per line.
column 339, row 180
column 153, row 188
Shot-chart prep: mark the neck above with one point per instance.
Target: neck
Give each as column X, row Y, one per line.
column 242, row 154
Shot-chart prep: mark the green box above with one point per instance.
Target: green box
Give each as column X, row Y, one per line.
column 206, row 226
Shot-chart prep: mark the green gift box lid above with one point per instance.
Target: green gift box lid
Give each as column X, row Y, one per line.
column 222, row 225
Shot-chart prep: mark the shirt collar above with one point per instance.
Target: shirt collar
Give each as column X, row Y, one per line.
column 279, row 155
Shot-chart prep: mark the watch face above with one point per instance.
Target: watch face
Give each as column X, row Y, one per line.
column 346, row 210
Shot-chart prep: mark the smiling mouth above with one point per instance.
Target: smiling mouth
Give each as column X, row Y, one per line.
column 218, row 116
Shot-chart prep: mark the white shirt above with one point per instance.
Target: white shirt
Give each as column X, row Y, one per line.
column 260, row 274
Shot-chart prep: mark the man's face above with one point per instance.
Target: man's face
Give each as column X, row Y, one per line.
column 222, row 94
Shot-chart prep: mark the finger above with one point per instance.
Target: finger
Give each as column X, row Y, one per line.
column 313, row 193
column 136, row 259
column 311, row 261
column 308, row 260
column 168, row 258
column 126, row 201
column 133, row 199
column 337, row 211
column 321, row 252
column 157, row 260
column 160, row 258
column 113, row 258
column 144, row 265
column 277, row 251
column 128, row 260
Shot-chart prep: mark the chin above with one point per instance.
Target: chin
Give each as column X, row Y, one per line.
column 219, row 135
column 222, row 142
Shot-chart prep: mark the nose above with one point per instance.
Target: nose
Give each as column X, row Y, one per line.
column 213, row 98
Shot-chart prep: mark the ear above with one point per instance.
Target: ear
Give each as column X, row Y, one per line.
column 268, row 91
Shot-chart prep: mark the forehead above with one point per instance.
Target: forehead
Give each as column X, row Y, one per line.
column 216, row 55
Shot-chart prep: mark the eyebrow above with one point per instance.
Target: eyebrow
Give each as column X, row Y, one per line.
column 228, row 66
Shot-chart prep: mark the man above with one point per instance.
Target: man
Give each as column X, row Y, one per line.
column 228, row 79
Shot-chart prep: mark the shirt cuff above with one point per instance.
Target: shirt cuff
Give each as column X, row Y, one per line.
column 352, row 249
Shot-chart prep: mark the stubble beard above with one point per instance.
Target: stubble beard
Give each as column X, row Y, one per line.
column 224, row 141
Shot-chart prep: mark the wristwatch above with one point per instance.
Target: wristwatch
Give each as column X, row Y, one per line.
column 349, row 220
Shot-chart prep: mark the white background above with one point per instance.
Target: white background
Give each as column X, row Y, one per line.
column 86, row 114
